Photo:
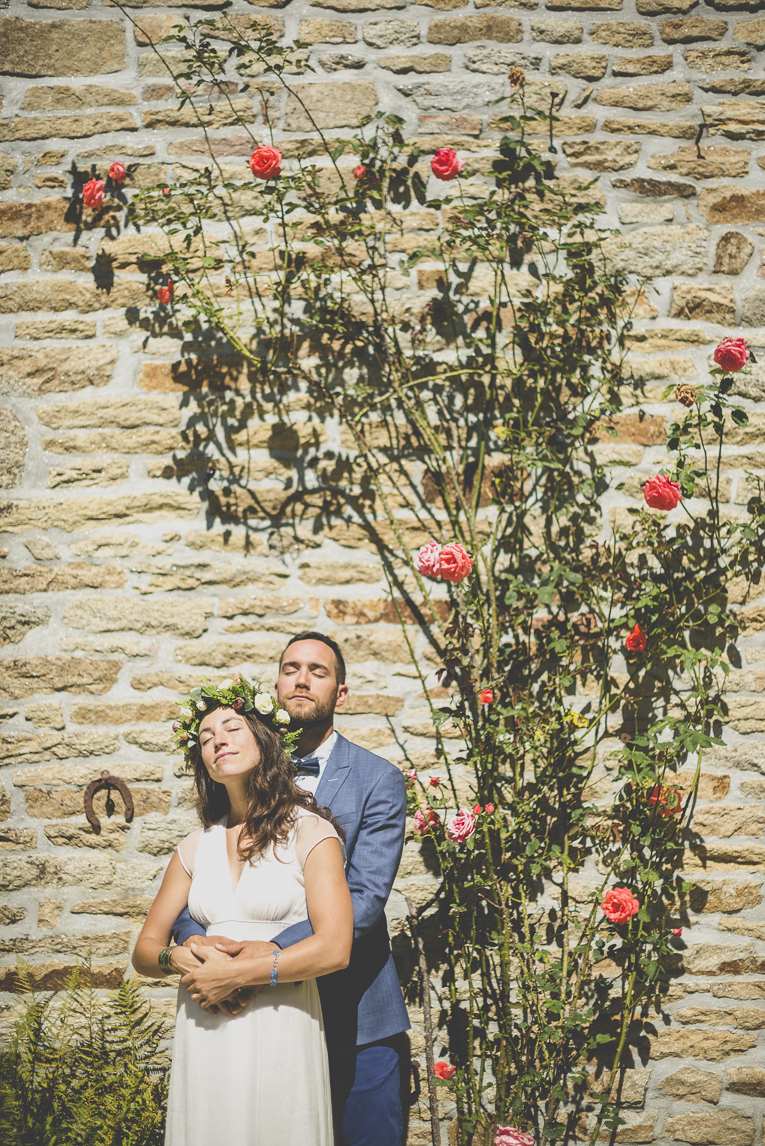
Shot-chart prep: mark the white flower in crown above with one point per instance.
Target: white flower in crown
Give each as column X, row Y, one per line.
column 226, row 684
column 264, row 703
column 186, row 712
column 201, row 705
column 282, row 716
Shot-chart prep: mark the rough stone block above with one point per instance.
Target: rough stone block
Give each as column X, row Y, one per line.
column 719, row 959
column 713, row 1045
column 674, row 128
column 215, row 115
column 557, row 31
column 751, row 32
column 620, row 34
column 55, row 370
column 693, row 1085
column 43, row 804
column 75, row 835
column 158, row 837
column 659, row 251
column 26, row 676
column 704, row 303
column 123, row 713
column 498, row 61
column 126, row 413
column 726, row 895
column 724, row 821
column 17, row 620
column 691, row 30
column 100, row 615
column 228, row 654
column 602, row 156
column 583, row 65
column 749, row 1080
column 656, row 188
column 392, row 33
column 14, row 257
column 715, row 162
column 88, row 474
column 71, row 47
column 718, row 59
column 331, row 105
column 436, row 62
column 359, row 5
column 321, row 31
column 732, row 204
column 641, row 65
column 76, row 514
column 47, row 714
column 339, row 61
column 55, row 328
column 463, row 29
column 13, row 448
column 585, row 5
column 732, row 253
column 84, row 98
column 745, row 1018
column 19, row 220
column 737, row 119
column 664, row 7
column 53, row 975
column 753, row 310
column 647, row 97
column 705, row 1129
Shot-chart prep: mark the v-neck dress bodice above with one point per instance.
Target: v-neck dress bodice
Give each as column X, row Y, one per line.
column 230, row 1075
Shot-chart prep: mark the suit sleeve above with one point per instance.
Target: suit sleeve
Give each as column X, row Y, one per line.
column 185, row 926
column 375, row 858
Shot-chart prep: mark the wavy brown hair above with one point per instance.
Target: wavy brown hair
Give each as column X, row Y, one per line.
column 272, row 792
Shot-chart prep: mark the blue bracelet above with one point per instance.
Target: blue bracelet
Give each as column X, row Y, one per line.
column 276, row 955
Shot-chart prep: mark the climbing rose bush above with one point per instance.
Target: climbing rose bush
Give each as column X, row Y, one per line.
column 619, row 905
column 661, row 493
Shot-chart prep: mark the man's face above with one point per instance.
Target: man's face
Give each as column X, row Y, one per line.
column 307, row 686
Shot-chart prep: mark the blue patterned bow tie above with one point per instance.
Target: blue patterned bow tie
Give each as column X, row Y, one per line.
column 310, row 767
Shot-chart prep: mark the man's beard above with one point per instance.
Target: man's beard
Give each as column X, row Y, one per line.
column 302, row 717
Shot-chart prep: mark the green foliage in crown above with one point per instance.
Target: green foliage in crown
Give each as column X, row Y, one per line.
column 237, row 693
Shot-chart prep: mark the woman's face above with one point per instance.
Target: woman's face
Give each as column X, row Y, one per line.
column 229, row 748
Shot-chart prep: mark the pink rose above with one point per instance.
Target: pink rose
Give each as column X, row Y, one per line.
column 489, row 809
column 619, row 905
column 461, row 826
column 445, row 165
column 661, row 493
column 359, row 171
column 428, row 560
column 509, row 1136
column 455, row 562
column 93, row 192
column 731, row 354
column 165, row 294
column 424, row 821
column 118, row 172
column 266, row 163
column 487, row 696
column 443, row 1070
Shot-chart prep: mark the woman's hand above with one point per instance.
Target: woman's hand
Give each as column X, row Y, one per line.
column 214, row 978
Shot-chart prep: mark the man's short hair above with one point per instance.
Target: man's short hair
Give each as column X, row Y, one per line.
column 311, row 636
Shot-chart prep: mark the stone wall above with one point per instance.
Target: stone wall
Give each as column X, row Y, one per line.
column 120, row 591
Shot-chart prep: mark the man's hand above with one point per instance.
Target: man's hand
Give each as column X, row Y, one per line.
column 201, row 940
column 213, row 980
column 255, row 948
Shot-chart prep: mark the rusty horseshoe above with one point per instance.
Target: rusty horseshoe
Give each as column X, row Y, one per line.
column 107, row 781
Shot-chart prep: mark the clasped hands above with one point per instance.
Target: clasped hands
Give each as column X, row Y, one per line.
column 213, row 979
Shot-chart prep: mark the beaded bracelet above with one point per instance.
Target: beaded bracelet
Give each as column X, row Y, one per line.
column 274, row 972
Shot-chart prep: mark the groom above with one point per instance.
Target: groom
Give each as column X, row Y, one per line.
column 364, row 1011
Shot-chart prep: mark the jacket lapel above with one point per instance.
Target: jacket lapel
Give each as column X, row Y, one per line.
column 335, row 774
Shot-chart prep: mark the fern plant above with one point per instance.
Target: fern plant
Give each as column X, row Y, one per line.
column 83, row 1070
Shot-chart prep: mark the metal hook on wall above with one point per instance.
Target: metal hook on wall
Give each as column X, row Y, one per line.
column 107, row 781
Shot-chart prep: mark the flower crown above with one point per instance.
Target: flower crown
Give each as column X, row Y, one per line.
column 237, row 693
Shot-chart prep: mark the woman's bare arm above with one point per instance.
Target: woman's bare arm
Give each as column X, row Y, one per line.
column 171, row 898
column 328, row 949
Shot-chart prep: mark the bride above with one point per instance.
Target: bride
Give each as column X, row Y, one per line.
column 265, row 858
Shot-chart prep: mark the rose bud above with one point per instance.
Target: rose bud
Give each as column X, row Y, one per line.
column 165, row 294
column 237, row 703
column 176, row 725
column 435, row 781
column 489, row 809
column 359, row 171
column 677, row 932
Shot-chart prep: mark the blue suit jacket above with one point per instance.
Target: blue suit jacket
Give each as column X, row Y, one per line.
column 367, row 796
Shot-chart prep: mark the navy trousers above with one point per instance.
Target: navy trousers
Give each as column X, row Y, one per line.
column 366, row 1088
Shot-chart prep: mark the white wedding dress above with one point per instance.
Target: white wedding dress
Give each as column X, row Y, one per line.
column 259, row 1078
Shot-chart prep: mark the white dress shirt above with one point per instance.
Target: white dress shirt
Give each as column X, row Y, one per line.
column 322, row 754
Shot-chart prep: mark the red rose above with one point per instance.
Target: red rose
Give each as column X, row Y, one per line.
column 619, row 905
column 165, row 294
column 637, row 640
column 165, row 190
column 677, row 932
column 93, row 192
column 118, row 172
column 667, row 801
column 487, row 696
column 443, row 1070
column 461, row 826
column 266, row 163
column 425, row 820
column 445, row 165
column 661, row 493
column 455, row 561
column 359, row 171
column 435, row 781
column 731, row 354
column 428, row 560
